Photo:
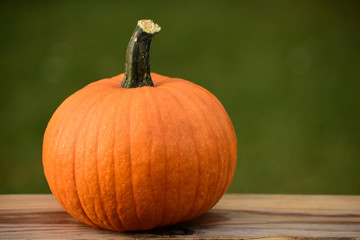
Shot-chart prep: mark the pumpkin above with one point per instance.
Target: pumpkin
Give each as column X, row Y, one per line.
column 139, row 150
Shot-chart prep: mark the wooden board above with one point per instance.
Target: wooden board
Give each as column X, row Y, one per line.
column 236, row 216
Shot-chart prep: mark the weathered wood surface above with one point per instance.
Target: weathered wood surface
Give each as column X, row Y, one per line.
column 236, row 216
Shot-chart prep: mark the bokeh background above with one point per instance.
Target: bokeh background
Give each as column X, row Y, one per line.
column 288, row 73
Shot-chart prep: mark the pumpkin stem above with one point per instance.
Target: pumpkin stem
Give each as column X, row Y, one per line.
column 137, row 65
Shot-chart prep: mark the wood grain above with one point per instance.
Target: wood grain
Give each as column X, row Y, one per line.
column 236, row 216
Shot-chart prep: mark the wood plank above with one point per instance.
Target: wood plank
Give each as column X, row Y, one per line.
column 236, row 216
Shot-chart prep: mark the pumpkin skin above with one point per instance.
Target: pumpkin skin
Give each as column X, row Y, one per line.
column 138, row 158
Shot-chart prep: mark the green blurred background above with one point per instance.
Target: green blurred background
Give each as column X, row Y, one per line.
column 288, row 73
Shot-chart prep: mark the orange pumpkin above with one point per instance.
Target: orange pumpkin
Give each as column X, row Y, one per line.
column 139, row 150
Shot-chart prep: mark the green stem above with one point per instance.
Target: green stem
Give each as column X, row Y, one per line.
column 137, row 65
